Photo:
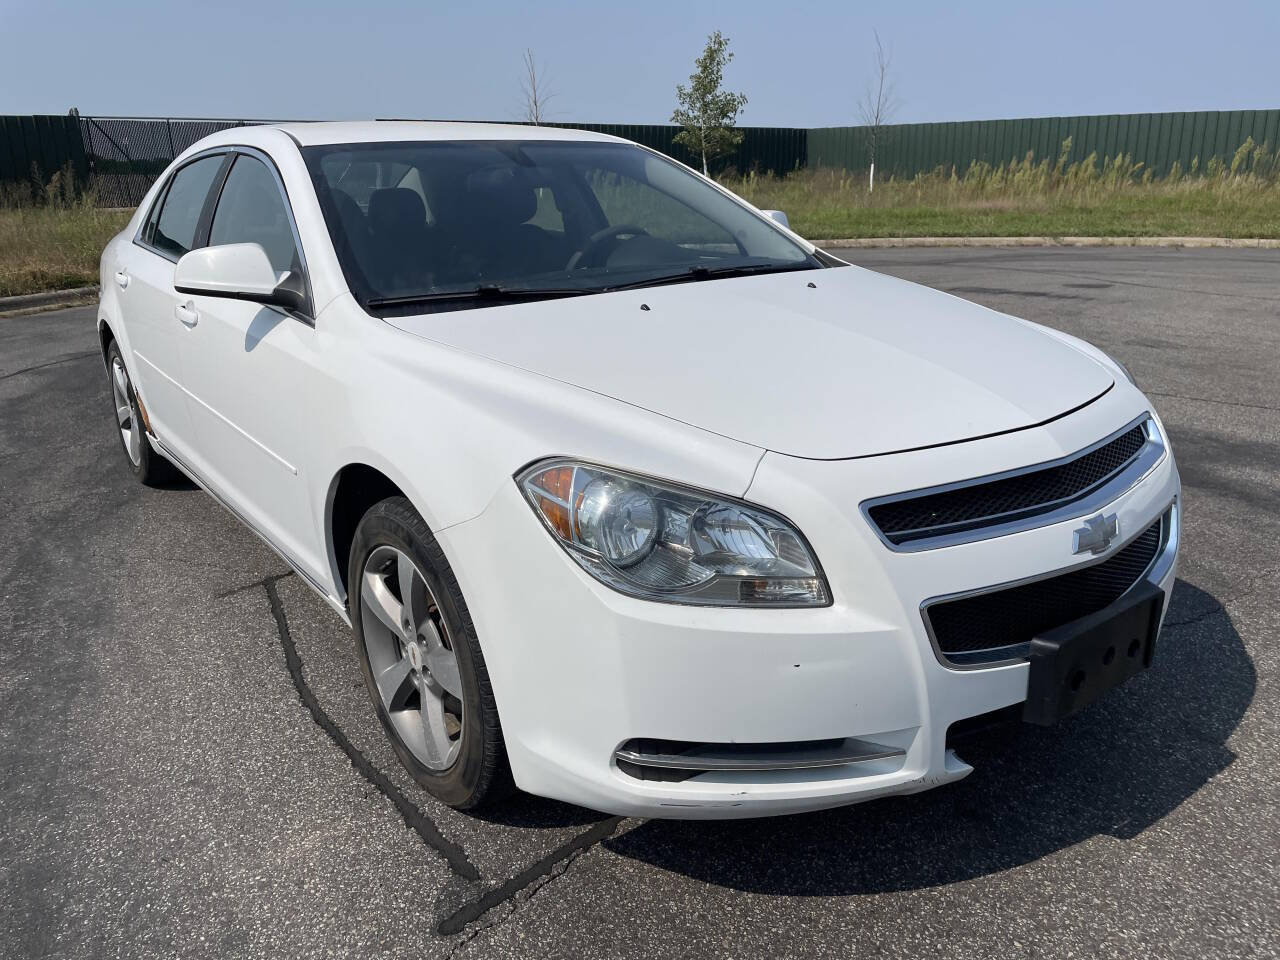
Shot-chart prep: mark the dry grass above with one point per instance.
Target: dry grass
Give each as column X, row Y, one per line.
column 51, row 248
column 51, row 235
column 1112, row 197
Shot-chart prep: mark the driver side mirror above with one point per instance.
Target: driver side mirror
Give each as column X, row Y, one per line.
column 778, row 216
column 239, row 271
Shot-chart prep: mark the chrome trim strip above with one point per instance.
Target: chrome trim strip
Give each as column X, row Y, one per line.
column 769, row 757
column 1172, row 533
column 339, row 607
column 1088, row 501
column 989, row 657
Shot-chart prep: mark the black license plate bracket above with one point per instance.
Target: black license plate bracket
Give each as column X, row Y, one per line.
column 1073, row 665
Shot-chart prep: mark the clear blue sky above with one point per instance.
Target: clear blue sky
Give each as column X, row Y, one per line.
column 801, row 64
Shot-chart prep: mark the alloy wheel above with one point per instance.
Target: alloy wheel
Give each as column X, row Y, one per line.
column 122, row 394
column 411, row 657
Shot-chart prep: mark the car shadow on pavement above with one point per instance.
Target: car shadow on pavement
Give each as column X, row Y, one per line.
column 536, row 813
column 1114, row 769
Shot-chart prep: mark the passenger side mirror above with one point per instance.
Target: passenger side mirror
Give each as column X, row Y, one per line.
column 239, row 271
column 779, row 216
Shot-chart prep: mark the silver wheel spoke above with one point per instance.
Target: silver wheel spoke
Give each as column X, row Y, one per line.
column 407, row 575
column 377, row 599
column 441, row 662
column 130, row 431
column 443, row 667
column 424, row 703
column 396, row 684
column 434, row 734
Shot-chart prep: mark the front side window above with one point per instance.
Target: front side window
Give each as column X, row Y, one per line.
column 448, row 224
column 174, row 230
column 251, row 209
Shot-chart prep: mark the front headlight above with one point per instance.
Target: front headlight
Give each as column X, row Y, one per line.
column 650, row 539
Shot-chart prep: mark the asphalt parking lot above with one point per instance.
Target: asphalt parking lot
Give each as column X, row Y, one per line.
column 191, row 767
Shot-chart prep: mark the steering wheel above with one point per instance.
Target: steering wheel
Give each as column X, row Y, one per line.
column 607, row 238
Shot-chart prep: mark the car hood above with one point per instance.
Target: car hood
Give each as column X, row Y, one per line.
column 822, row 364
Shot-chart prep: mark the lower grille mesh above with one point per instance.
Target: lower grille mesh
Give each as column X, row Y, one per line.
column 1015, row 615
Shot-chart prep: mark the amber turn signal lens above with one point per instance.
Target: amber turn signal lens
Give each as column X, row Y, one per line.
column 557, row 482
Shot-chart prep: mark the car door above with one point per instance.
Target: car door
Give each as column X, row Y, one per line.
column 248, row 373
column 149, row 303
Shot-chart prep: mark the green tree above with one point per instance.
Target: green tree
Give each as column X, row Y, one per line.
column 706, row 112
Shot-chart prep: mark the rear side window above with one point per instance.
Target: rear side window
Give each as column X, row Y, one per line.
column 252, row 210
column 174, row 232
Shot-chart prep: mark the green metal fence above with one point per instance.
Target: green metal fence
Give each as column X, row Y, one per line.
column 1154, row 139
column 32, row 149
column 776, row 150
column 123, row 155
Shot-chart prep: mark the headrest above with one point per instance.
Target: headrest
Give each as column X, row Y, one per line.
column 501, row 195
column 349, row 211
column 396, row 209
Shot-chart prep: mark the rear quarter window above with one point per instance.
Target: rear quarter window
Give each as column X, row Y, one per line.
column 174, row 230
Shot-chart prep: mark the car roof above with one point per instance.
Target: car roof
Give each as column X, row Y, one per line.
column 373, row 131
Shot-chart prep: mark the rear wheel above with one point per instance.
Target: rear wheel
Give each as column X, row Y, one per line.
column 421, row 660
column 147, row 465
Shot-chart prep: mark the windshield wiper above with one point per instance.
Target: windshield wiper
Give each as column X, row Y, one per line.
column 483, row 292
column 711, row 273
column 499, row 293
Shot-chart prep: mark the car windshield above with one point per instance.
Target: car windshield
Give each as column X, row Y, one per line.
column 441, row 225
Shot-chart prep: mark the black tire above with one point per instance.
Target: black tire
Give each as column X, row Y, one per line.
column 480, row 774
column 151, row 468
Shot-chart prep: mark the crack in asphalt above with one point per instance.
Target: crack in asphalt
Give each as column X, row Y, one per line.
column 531, row 874
column 1116, row 281
column 453, row 854
column 413, row 817
column 51, row 363
column 1196, row 618
column 1225, row 403
column 1247, row 590
column 551, row 877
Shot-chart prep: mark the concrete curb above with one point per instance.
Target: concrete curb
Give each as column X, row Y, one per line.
column 1189, row 242
column 49, row 298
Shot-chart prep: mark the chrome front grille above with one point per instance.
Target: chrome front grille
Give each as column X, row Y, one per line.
column 1032, row 496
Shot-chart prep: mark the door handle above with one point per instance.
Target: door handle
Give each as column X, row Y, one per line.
column 186, row 312
column 122, row 278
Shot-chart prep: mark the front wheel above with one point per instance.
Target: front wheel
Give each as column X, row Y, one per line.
column 147, row 465
column 421, row 659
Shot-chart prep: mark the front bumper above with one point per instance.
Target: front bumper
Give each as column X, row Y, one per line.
column 581, row 672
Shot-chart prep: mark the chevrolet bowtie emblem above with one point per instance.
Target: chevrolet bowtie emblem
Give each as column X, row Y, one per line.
column 1096, row 534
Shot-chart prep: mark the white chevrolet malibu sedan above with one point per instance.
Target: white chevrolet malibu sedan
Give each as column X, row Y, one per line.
column 631, row 496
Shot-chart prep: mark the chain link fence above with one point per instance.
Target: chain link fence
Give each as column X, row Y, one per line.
column 125, row 154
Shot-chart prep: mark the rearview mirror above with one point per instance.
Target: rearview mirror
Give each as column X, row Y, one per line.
column 239, row 271
column 779, row 216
